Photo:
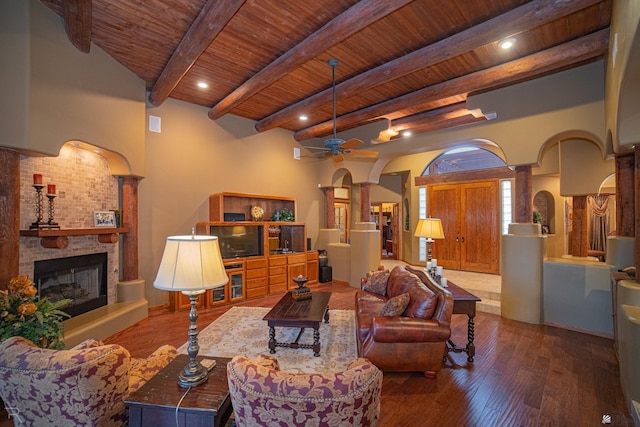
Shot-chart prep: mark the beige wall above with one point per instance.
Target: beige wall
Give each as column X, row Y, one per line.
column 194, row 157
column 623, row 77
column 53, row 93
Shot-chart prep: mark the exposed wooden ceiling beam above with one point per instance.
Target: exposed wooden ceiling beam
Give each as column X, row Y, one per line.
column 213, row 17
column 77, row 23
column 551, row 60
column 341, row 27
column 432, row 116
column 515, row 21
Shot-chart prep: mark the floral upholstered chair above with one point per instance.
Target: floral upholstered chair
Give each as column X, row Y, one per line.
column 262, row 395
column 86, row 385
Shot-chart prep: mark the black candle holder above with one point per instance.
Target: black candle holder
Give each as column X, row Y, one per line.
column 39, row 223
column 51, row 223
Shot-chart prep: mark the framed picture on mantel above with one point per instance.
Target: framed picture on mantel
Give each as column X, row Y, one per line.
column 104, row 219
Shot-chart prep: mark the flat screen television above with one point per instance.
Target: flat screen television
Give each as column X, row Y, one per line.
column 239, row 241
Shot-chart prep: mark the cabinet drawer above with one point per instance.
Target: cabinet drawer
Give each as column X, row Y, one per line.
column 280, row 278
column 256, row 272
column 296, row 258
column 257, row 292
column 256, row 263
column 273, row 271
column 312, row 255
column 277, row 260
column 257, row 283
column 277, row 288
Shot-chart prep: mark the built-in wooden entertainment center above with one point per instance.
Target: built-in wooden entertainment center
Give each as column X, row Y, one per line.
column 261, row 255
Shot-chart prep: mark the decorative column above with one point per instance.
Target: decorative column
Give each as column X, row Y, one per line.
column 636, row 191
column 625, row 204
column 579, row 232
column 523, row 195
column 329, row 200
column 365, row 202
column 130, row 220
column 9, row 216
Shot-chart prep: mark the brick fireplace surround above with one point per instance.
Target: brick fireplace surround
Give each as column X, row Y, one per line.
column 84, row 185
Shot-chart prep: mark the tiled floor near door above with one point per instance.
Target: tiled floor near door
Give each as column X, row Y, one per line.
column 485, row 286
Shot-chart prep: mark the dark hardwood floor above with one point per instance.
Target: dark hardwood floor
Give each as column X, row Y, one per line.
column 523, row 375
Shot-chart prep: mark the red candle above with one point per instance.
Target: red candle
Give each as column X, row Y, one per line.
column 37, row 179
column 51, row 189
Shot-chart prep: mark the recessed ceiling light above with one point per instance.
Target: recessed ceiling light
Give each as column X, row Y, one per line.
column 203, row 85
column 507, row 43
column 304, row 117
column 406, row 133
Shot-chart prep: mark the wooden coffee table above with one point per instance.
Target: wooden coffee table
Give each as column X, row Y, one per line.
column 154, row 404
column 306, row 313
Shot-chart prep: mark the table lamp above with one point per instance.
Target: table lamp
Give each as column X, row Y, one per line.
column 430, row 228
column 191, row 265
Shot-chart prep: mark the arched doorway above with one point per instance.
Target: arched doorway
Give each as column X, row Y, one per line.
column 463, row 189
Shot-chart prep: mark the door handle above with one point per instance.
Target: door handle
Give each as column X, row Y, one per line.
column 463, row 240
column 457, row 239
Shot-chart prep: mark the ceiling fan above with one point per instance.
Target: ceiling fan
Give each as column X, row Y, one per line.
column 335, row 147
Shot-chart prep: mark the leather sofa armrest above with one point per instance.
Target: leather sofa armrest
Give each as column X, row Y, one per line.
column 392, row 329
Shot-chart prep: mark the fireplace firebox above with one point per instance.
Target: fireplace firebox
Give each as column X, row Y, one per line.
column 81, row 278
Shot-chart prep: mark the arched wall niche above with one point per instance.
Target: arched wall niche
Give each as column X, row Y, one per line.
column 118, row 164
column 544, row 203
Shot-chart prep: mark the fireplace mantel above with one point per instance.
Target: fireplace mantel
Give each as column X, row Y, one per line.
column 57, row 238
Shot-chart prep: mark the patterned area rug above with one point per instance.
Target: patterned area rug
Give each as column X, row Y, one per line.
column 241, row 331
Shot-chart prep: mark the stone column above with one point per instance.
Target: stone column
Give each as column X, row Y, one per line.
column 9, row 215
column 625, row 204
column 579, row 233
column 365, row 202
column 130, row 220
column 523, row 195
column 330, row 218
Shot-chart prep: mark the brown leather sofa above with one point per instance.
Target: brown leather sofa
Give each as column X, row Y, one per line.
column 414, row 341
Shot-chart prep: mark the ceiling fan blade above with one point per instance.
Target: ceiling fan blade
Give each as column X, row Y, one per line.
column 363, row 153
column 338, row 158
column 354, row 142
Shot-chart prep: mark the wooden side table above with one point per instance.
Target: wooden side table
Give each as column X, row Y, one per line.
column 154, row 404
column 464, row 302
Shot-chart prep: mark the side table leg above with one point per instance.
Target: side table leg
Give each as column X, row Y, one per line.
column 471, row 348
column 316, row 341
column 326, row 315
column 272, row 339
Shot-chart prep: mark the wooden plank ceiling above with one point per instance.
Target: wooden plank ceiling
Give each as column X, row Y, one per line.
column 411, row 62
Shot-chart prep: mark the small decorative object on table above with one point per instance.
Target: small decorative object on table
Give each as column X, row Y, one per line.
column 257, row 213
column 301, row 292
column 104, row 219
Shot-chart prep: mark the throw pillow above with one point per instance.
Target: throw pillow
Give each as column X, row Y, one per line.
column 396, row 305
column 377, row 282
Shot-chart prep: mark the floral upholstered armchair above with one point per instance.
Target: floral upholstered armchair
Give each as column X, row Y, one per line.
column 86, row 385
column 262, row 395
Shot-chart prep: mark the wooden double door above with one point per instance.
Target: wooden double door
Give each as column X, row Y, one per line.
column 470, row 214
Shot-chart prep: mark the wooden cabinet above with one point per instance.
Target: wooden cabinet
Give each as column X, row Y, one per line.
column 296, row 266
column 179, row 301
column 256, row 269
column 237, row 206
column 234, row 289
column 277, row 273
column 261, row 257
column 312, row 267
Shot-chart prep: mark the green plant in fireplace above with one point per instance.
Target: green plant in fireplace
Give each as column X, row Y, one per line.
column 23, row 314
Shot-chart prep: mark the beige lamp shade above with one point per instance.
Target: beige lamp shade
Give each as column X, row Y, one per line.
column 191, row 264
column 431, row 228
